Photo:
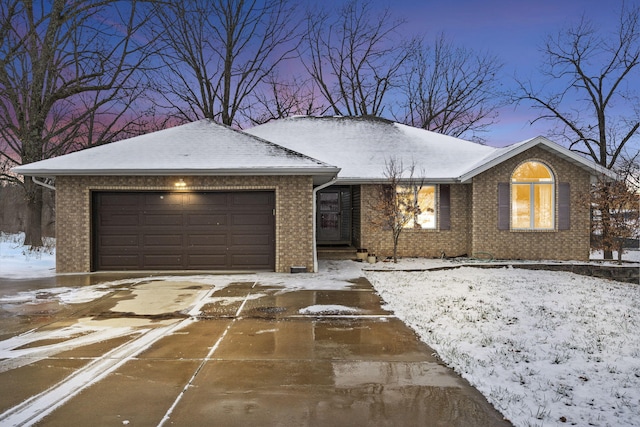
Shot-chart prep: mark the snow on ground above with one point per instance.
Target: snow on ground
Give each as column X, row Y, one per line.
column 66, row 295
column 632, row 255
column 629, row 256
column 332, row 275
column 545, row 348
column 22, row 262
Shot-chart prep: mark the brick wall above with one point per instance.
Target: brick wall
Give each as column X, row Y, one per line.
column 474, row 220
column 572, row 244
column 424, row 242
column 293, row 213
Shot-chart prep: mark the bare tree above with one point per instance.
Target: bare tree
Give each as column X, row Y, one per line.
column 449, row 89
column 61, row 64
column 596, row 111
column 396, row 204
column 217, row 52
column 589, row 98
column 280, row 99
column 354, row 57
column 613, row 229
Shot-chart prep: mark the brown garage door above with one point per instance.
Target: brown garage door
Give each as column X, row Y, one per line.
column 191, row 231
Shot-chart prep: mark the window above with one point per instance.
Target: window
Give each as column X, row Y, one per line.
column 532, row 197
column 422, row 202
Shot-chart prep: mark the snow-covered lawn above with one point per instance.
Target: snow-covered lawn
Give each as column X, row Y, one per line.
column 22, row 262
column 545, row 348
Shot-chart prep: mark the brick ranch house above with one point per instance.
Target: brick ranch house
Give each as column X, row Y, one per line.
column 203, row 196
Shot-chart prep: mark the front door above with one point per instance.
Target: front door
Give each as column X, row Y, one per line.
column 329, row 216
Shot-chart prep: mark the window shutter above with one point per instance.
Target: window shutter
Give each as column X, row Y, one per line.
column 503, row 205
column 564, row 206
column 445, row 207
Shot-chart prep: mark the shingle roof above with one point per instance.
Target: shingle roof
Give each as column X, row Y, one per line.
column 199, row 148
column 361, row 147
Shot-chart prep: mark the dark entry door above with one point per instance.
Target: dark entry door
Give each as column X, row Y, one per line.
column 191, row 230
column 329, row 216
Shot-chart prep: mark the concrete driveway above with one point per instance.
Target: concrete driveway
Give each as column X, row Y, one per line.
column 250, row 350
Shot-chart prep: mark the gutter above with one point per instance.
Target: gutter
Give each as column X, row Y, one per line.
column 314, row 219
column 42, row 183
column 258, row 171
column 368, row 181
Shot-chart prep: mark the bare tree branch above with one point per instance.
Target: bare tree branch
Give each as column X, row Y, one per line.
column 217, row 53
column 450, row 90
column 396, row 204
column 595, row 111
column 616, row 212
column 354, row 57
column 283, row 99
column 63, row 65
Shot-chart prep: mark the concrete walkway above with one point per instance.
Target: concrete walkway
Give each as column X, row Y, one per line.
column 182, row 353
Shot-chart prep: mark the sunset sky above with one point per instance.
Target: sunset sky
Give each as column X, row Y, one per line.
column 513, row 30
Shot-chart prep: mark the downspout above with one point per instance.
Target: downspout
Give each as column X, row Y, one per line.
column 315, row 221
column 43, row 184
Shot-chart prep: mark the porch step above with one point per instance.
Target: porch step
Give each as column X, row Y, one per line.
column 336, row 252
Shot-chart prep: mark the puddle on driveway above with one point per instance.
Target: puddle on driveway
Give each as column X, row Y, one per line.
column 267, row 303
column 336, row 339
column 329, row 393
column 46, row 308
column 43, row 326
column 251, row 357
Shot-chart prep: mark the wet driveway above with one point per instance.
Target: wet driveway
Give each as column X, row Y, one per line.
column 152, row 352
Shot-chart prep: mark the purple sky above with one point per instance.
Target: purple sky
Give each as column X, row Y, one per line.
column 513, row 30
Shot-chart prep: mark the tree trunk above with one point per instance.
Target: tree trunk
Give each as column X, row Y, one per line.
column 33, row 229
column 619, row 247
column 396, row 237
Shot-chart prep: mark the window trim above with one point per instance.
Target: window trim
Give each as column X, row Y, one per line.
column 532, row 204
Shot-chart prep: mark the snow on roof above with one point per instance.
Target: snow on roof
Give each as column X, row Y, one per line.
column 202, row 147
column 362, row 147
column 504, row 153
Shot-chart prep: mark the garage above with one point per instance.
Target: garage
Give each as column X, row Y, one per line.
column 214, row 230
column 198, row 196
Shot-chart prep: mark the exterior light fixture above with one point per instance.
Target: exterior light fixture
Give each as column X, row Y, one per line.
column 180, row 183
